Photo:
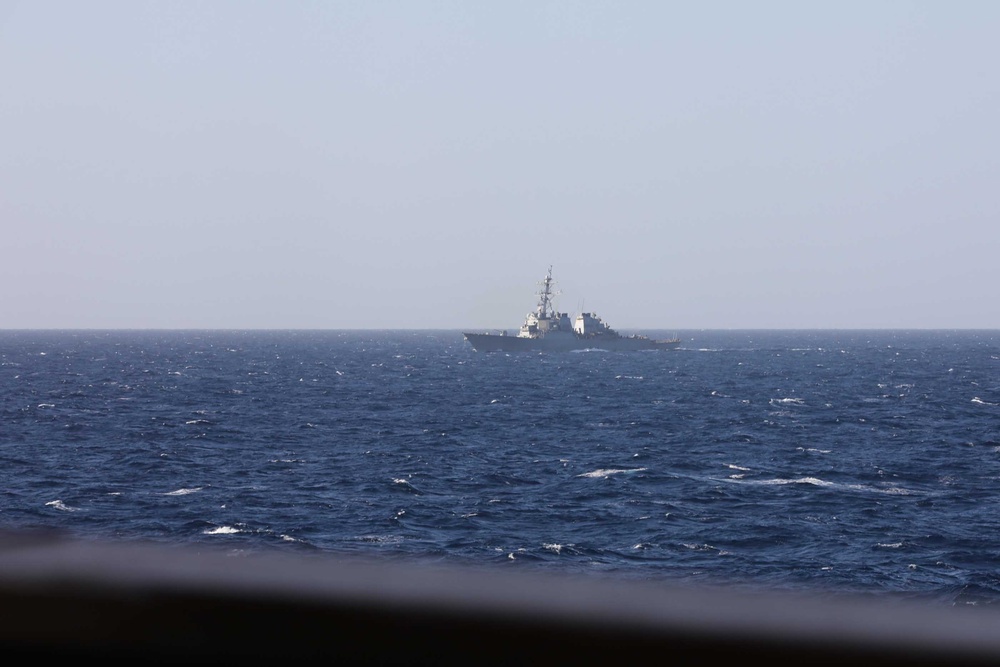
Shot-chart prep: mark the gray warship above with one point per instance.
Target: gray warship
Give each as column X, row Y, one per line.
column 548, row 330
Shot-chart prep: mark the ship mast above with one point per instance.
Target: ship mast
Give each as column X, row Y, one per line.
column 545, row 297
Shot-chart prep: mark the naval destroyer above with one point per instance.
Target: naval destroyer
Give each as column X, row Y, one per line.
column 548, row 330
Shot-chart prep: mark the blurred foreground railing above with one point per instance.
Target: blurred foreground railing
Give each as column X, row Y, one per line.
column 68, row 599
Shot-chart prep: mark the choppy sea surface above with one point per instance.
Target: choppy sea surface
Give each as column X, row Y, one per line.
column 848, row 461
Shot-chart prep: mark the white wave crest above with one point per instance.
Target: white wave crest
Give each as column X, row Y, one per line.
column 183, row 492
column 816, row 481
column 222, row 530
column 380, row 539
column 607, row 472
column 60, row 505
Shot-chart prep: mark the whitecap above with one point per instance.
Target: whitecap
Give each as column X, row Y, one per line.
column 554, row 548
column 380, row 539
column 890, row 491
column 60, row 505
column 183, row 492
column 816, row 481
column 793, row 401
column 222, row 530
column 606, row 472
column 46, row 405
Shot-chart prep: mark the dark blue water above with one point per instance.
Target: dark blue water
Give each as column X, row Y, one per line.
column 854, row 461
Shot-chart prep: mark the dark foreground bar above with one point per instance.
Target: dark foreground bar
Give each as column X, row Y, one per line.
column 147, row 604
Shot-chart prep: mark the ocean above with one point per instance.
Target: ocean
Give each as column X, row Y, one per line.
column 845, row 461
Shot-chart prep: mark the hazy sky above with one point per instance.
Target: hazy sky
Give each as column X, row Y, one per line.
column 421, row 164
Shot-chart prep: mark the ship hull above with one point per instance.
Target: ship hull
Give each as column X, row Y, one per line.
column 486, row 342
